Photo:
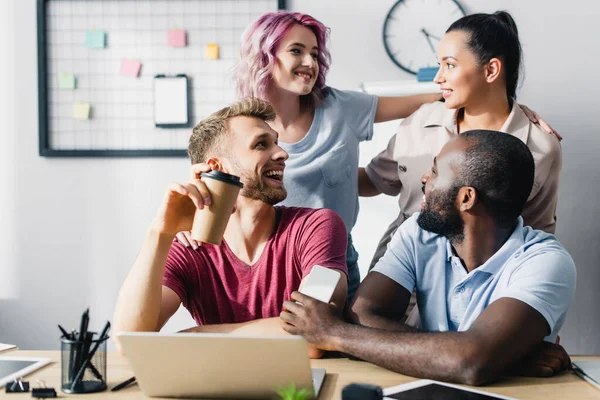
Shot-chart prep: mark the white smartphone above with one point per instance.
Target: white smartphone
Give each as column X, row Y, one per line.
column 320, row 283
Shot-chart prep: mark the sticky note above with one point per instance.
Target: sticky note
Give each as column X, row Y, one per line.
column 81, row 110
column 95, row 39
column 66, row 81
column 130, row 68
column 177, row 38
column 211, row 52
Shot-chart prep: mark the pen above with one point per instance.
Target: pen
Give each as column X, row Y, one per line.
column 84, row 324
column 84, row 364
column 88, row 341
column 65, row 333
column 80, row 345
column 123, row 384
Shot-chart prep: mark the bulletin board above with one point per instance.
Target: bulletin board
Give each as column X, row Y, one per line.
column 98, row 60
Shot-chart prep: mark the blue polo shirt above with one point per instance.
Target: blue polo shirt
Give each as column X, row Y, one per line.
column 531, row 266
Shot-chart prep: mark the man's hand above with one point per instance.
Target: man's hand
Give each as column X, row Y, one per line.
column 179, row 205
column 316, row 321
column 185, row 237
column 176, row 212
column 547, row 360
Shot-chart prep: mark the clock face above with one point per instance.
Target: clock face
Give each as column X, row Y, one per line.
column 413, row 29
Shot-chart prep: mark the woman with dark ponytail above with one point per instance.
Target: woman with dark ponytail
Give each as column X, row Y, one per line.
column 494, row 36
column 480, row 62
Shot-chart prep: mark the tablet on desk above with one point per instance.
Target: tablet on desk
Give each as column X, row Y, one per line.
column 12, row 368
column 589, row 371
column 428, row 389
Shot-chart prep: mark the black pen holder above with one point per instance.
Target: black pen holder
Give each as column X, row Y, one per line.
column 82, row 371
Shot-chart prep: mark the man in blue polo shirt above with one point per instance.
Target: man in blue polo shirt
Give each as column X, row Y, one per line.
column 489, row 290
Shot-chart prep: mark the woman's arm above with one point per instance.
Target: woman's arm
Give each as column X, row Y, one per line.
column 390, row 108
column 365, row 185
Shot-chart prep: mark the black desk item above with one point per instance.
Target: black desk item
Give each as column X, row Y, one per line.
column 18, row 386
column 362, row 391
column 43, row 393
column 83, row 359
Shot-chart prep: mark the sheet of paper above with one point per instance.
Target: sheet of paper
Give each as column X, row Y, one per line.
column 211, row 52
column 95, row 39
column 81, row 110
column 5, row 346
column 177, row 38
column 130, row 68
column 170, row 100
column 66, row 81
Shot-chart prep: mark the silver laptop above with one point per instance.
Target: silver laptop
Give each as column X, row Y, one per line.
column 218, row 365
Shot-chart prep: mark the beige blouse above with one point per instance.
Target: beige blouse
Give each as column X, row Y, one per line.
column 420, row 137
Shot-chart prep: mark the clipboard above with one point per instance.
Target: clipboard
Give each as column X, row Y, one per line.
column 171, row 101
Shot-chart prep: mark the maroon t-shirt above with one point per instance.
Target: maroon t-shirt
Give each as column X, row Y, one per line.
column 217, row 287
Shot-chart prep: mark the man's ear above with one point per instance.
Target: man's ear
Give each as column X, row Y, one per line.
column 493, row 70
column 215, row 164
column 467, row 198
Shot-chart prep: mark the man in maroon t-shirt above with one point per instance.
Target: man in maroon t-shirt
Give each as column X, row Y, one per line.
column 240, row 285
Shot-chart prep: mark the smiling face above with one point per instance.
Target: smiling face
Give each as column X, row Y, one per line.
column 257, row 158
column 296, row 68
column 439, row 209
column 461, row 78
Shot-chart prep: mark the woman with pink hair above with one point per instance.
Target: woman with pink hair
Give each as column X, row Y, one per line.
column 284, row 60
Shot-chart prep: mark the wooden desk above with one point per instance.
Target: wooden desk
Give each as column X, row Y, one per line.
column 340, row 372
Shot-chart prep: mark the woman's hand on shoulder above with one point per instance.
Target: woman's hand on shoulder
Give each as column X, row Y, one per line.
column 185, row 238
column 536, row 119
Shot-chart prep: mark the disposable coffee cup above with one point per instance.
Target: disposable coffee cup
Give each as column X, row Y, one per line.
column 210, row 222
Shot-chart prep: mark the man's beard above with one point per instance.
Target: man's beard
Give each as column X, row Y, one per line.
column 255, row 189
column 441, row 216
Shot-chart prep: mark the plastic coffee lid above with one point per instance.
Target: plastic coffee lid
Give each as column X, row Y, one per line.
column 223, row 177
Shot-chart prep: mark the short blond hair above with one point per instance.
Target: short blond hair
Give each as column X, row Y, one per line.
column 207, row 138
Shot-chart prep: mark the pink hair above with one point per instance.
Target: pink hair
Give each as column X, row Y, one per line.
column 259, row 45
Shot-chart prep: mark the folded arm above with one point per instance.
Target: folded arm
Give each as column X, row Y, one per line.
column 272, row 326
column 381, row 303
column 502, row 335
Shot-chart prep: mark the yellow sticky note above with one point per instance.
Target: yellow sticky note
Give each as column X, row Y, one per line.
column 81, row 110
column 211, row 52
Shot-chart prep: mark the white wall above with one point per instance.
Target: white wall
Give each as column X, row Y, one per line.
column 72, row 227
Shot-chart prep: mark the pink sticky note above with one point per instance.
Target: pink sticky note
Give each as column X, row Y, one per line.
column 177, row 38
column 130, row 68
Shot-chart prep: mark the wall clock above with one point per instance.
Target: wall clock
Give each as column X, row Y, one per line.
column 413, row 28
